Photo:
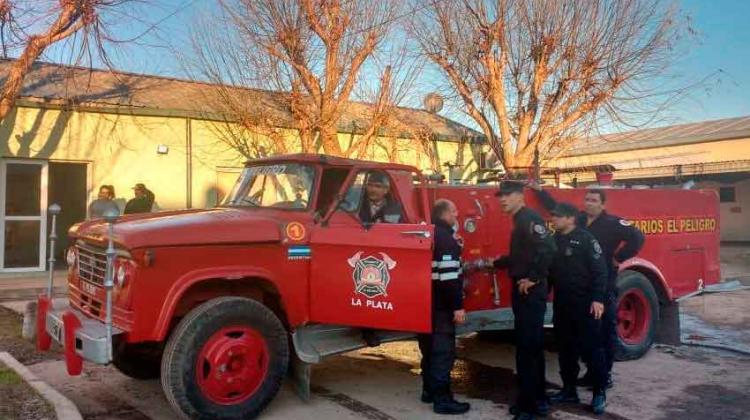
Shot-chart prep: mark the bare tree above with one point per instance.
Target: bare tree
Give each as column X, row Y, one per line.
column 60, row 20
column 314, row 51
column 538, row 74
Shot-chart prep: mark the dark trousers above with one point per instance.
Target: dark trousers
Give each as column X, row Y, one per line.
column 578, row 334
column 528, row 311
column 609, row 331
column 438, row 354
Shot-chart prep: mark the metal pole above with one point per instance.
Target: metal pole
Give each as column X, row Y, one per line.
column 110, row 216
column 54, row 210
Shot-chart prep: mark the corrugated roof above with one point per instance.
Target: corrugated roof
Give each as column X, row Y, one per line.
column 84, row 87
column 699, row 132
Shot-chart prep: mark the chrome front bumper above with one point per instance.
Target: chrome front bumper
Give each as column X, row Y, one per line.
column 89, row 336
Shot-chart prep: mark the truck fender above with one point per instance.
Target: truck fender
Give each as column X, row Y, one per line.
column 650, row 270
column 193, row 277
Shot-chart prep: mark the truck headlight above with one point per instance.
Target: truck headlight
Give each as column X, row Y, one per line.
column 70, row 257
column 123, row 272
column 121, row 275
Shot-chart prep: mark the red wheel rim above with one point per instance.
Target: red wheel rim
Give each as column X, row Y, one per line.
column 232, row 364
column 633, row 316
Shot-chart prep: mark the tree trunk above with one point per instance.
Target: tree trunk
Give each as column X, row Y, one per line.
column 16, row 75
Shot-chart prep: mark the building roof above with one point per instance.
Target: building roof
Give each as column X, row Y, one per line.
column 699, row 132
column 112, row 91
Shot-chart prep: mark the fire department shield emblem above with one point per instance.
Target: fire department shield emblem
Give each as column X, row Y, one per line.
column 371, row 275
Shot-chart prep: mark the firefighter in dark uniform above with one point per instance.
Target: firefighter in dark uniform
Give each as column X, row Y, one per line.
column 578, row 277
column 620, row 241
column 378, row 206
column 439, row 348
column 531, row 252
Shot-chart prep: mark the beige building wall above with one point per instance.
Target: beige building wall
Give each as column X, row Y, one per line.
column 635, row 163
column 735, row 215
column 122, row 150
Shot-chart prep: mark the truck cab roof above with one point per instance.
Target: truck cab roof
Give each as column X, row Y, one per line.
column 330, row 160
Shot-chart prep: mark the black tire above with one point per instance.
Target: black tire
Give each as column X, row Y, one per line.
column 178, row 369
column 137, row 362
column 634, row 283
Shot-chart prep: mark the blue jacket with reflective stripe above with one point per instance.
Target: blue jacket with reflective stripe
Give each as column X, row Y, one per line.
column 447, row 276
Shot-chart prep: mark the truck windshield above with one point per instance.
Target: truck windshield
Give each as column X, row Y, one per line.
column 285, row 186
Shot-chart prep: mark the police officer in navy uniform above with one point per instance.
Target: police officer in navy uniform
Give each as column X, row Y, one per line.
column 578, row 277
column 531, row 253
column 439, row 348
column 620, row 241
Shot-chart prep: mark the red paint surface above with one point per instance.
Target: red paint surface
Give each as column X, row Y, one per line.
column 192, row 247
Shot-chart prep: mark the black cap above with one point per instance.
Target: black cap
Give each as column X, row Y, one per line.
column 507, row 187
column 565, row 210
column 139, row 186
column 378, row 177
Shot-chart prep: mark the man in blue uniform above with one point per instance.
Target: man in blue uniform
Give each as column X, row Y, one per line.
column 531, row 252
column 439, row 348
column 578, row 277
column 620, row 241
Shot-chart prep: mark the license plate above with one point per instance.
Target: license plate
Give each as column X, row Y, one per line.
column 55, row 329
column 89, row 288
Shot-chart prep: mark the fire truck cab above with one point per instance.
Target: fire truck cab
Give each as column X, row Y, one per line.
column 219, row 303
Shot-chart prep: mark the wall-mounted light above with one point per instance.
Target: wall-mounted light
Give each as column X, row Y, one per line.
column 162, row 149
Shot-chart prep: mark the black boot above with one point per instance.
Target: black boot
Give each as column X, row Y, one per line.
column 567, row 395
column 523, row 416
column 447, row 405
column 427, row 397
column 542, row 409
column 599, row 402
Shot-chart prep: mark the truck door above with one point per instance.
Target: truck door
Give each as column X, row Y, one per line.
column 377, row 277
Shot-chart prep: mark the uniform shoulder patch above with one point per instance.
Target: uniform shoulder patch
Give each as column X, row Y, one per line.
column 626, row 222
column 540, row 229
column 597, row 247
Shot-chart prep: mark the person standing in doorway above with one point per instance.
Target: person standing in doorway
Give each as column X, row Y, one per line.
column 142, row 202
column 531, row 252
column 104, row 201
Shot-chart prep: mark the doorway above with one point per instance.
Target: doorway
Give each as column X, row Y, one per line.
column 68, row 189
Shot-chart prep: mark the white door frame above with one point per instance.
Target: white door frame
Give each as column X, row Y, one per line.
column 42, row 218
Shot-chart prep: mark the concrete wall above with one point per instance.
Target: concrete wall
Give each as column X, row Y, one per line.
column 122, row 150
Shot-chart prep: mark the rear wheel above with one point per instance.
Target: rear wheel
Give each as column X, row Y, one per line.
column 225, row 360
column 637, row 315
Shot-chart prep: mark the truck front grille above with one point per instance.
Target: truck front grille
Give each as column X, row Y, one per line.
column 92, row 264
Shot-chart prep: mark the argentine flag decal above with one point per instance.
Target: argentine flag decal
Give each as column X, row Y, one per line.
column 299, row 253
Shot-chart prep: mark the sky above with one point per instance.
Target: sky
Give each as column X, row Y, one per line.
column 719, row 53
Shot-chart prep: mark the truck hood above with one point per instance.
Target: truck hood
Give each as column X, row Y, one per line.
column 184, row 227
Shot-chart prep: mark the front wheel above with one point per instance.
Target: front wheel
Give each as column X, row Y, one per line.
column 637, row 315
column 225, row 360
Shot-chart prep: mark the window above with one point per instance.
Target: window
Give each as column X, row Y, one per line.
column 726, row 195
column 286, row 186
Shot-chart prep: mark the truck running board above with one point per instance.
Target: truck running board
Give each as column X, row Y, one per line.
column 314, row 342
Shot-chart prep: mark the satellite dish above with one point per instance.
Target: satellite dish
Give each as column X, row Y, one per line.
column 433, row 102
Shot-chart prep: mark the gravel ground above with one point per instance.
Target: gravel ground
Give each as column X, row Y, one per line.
column 20, row 401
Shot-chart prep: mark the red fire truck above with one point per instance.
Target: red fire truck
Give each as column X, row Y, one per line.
column 221, row 303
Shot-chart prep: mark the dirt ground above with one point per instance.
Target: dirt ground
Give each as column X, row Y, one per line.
column 20, row 401
column 383, row 383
